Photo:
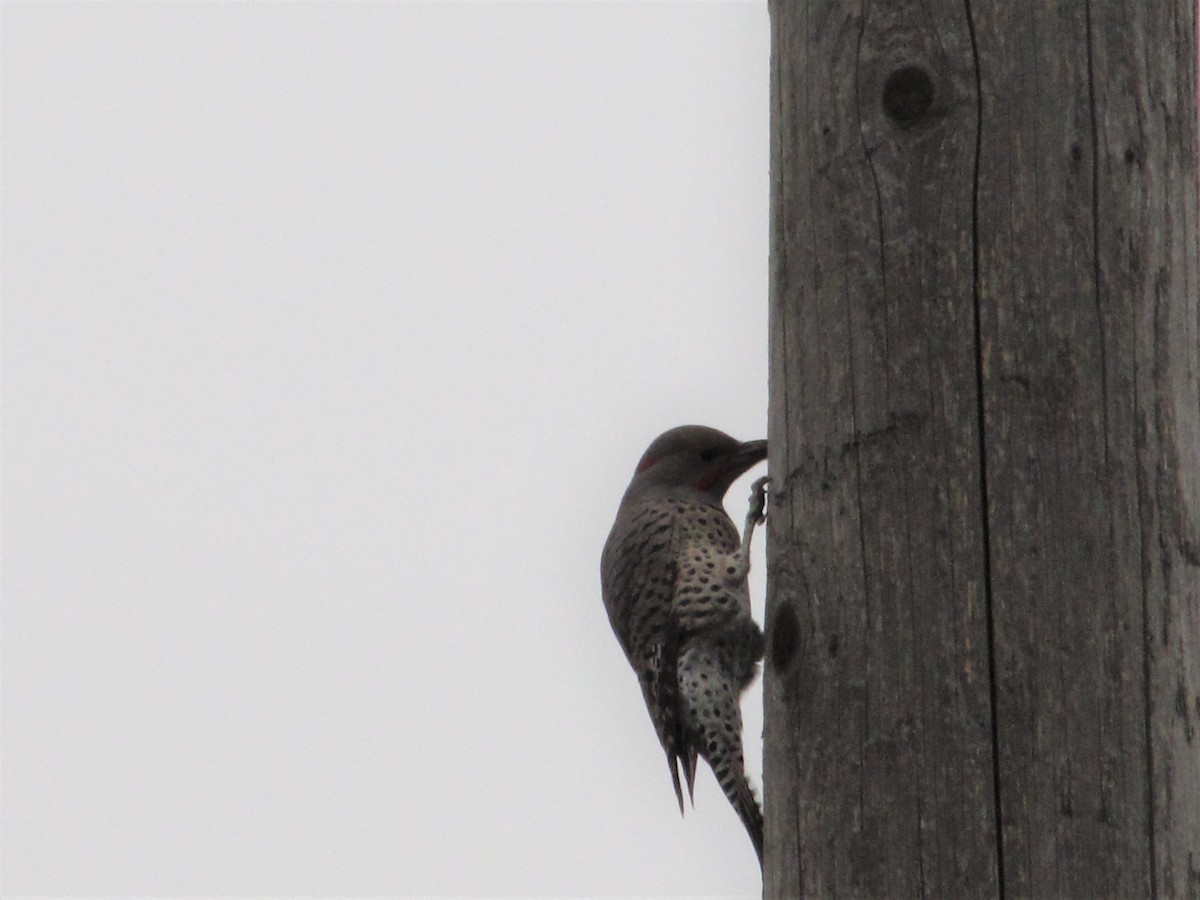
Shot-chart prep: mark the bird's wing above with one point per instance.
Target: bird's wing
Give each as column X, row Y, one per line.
column 639, row 573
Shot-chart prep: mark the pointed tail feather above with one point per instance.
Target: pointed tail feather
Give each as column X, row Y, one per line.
column 684, row 757
column 689, row 769
column 671, row 763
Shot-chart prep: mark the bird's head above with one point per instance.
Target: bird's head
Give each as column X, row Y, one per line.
column 695, row 458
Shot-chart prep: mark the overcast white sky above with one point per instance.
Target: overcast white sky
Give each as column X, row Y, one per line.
column 331, row 335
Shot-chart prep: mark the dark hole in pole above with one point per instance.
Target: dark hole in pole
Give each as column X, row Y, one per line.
column 784, row 636
column 907, row 95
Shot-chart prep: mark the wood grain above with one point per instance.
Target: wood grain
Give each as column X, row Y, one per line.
column 984, row 582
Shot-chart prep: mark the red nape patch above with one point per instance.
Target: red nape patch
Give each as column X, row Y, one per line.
column 647, row 462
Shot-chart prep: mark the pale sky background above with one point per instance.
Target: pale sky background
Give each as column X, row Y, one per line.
column 331, row 335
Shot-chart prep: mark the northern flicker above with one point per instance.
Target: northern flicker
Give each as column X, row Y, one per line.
column 673, row 576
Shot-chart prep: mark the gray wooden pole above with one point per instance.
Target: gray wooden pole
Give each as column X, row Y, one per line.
column 983, row 615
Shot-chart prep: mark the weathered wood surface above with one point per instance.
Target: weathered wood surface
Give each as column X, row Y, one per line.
column 983, row 670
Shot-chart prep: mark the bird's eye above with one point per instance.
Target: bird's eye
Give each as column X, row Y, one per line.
column 708, row 455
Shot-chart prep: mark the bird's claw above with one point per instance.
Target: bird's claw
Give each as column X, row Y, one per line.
column 758, row 500
column 755, row 515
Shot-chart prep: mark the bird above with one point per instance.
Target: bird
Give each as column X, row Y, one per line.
column 673, row 579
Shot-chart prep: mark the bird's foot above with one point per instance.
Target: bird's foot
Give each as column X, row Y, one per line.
column 757, row 513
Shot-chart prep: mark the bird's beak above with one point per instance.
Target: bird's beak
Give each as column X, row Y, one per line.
column 747, row 455
column 729, row 469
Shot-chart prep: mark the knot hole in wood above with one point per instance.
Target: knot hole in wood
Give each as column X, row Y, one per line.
column 785, row 634
column 907, row 95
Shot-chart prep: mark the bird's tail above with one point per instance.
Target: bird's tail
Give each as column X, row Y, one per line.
column 710, row 694
column 729, row 768
column 685, row 757
column 745, row 804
